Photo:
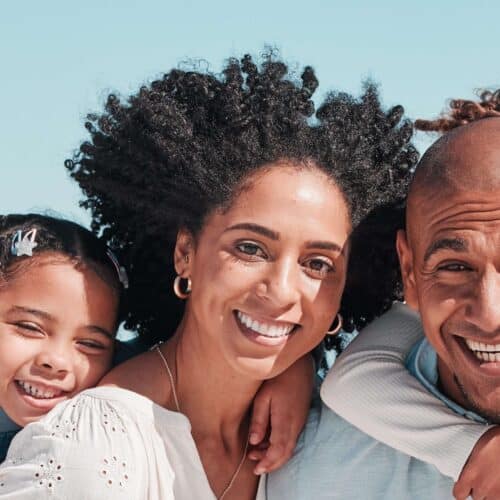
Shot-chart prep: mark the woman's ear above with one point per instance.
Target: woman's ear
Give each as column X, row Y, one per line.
column 407, row 272
column 184, row 253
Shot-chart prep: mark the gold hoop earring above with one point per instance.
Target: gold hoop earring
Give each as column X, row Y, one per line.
column 182, row 294
column 336, row 329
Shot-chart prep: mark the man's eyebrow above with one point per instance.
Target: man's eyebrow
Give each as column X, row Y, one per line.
column 457, row 244
column 256, row 228
column 35, row 312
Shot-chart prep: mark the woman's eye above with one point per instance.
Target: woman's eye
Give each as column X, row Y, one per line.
column 249, row 248
column 319, row 267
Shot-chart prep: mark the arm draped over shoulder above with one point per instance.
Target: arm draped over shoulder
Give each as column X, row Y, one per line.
column 370, row 387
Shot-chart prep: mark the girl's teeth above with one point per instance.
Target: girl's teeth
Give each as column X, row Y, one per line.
column 36, row 392
column 484, row 352
column 263, row 328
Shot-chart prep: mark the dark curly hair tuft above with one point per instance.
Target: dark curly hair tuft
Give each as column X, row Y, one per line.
column 182, row 146
column 463, row 111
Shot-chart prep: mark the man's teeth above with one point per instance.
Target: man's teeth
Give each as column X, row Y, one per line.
column 484, row 352
column 36, row 391
column 265, row 329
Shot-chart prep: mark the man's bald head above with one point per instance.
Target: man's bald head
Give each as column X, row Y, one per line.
column 466, row 158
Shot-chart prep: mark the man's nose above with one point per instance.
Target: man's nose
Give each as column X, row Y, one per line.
column 485, row 304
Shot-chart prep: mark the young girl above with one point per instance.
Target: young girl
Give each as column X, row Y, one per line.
column 59, row 308
column 60, row 290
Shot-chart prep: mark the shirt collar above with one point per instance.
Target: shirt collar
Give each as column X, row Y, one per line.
column 422, row 364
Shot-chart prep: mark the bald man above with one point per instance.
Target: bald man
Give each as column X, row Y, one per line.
column 450, row 262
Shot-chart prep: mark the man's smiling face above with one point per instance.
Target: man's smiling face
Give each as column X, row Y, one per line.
column 450, row 260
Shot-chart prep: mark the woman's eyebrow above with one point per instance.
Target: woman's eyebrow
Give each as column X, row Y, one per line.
column 457, row 244
column 325, row 245
column 256, row 228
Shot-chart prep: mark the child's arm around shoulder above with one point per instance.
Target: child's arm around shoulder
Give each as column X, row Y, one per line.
column 370, row 387
column 279, row 413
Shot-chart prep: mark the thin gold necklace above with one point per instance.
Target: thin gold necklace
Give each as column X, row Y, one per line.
column 176, row 400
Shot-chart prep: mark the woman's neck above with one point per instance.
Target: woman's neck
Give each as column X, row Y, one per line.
column 211, row 393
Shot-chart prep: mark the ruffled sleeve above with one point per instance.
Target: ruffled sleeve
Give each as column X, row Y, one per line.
column 87, row 448
column 370, row 387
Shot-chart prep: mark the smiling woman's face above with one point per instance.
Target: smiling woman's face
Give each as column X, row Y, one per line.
column 268, row 273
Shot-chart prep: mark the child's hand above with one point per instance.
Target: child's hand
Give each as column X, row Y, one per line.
column 280, row 410
column 479, row 477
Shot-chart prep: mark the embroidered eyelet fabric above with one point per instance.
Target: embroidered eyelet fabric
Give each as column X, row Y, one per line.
column 107, row 443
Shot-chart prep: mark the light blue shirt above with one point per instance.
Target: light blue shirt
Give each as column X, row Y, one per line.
column 335, row 460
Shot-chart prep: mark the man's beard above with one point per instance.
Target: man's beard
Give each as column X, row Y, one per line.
column 490, row 414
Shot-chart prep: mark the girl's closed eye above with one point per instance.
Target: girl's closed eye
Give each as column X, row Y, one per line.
column 28, row 329
column 91, row 345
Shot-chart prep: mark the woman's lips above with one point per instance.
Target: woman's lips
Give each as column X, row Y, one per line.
column 264, row 332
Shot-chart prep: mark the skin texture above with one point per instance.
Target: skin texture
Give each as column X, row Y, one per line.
column 283, row 277
column 451, row 272
column 217, row 368
column 57, row 326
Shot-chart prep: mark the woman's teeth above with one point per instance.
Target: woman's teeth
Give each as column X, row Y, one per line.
column 265, row 329
column 484, row 352
column 36, row 391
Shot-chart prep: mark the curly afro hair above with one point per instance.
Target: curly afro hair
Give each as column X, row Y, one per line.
column 464, row 111
column 182, row 146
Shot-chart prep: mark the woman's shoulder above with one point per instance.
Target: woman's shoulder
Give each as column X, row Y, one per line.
column 96, row 445
column 89, row 443
column 143, row 374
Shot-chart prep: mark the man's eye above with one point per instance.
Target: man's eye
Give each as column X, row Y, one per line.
column 249, row 248
column 454, row 267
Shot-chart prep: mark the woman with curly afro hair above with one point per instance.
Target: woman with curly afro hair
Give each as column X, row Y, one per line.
column 231, row 200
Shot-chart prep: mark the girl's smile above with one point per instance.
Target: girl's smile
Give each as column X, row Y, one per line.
column 56, row 335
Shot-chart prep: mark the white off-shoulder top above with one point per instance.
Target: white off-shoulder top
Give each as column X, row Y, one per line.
column 107, row 443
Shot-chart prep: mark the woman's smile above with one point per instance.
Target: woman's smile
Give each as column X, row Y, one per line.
column 264, row 331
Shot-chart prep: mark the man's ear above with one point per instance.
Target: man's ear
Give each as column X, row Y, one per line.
column 407, row 272
column 184, row 253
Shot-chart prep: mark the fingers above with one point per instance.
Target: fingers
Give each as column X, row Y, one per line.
column 259, row 423
column 462, row 489
column 258, row 452
column 281, row 444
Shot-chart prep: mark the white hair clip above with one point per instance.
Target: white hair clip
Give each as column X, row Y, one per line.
column 122, row 273
column 23, row 245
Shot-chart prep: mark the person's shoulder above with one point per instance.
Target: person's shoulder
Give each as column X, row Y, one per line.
column 144, row 375
column 399, row 316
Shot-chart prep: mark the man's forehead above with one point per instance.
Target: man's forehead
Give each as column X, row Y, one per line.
column 462, row 168
column 454, row 213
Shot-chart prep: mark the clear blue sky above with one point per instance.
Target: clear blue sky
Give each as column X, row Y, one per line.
column 59, row 59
